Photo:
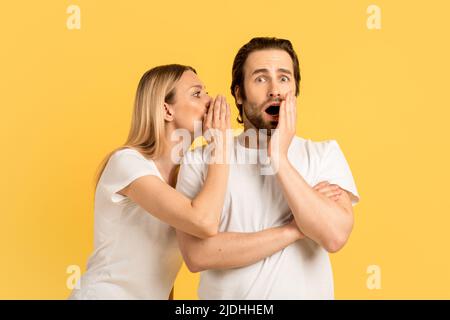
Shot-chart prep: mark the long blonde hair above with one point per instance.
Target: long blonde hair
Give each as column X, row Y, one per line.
column 156, row 87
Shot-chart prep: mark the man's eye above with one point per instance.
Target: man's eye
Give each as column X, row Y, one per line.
column 260, row 79
column 285, row 79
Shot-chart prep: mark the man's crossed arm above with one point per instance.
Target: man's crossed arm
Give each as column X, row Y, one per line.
column 237, row 249
column 327, row 222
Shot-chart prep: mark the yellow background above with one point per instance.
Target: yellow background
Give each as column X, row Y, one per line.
column 66, row 99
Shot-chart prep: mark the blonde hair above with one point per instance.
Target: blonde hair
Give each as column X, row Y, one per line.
column 156, row 87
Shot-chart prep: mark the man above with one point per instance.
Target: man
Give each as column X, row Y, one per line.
column 258, row 253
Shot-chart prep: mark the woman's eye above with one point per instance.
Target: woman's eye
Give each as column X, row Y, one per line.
column 197, row 93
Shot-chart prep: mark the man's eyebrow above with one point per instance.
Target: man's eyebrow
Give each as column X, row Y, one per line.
column 285, row 71
column 264, row 70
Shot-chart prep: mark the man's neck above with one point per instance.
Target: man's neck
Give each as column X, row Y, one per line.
column 250, row 137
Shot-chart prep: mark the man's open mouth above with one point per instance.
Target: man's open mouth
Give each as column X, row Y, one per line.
column 273, row 110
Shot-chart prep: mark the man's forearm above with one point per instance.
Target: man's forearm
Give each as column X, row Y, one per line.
column 234, row 249
column 318, row 217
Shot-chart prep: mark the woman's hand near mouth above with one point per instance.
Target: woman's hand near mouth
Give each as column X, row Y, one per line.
column 216, row 129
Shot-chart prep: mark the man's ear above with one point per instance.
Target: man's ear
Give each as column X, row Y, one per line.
column 237, row 94
column 168, row 112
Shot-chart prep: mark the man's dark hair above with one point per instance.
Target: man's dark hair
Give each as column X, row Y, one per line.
column 256, row 44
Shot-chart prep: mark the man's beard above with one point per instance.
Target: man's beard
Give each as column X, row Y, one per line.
column 255, row 117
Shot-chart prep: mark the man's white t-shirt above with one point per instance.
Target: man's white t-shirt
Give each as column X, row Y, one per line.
column 136, row 255
column 255, row 202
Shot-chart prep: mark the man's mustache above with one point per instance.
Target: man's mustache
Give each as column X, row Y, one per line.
column 272, row 101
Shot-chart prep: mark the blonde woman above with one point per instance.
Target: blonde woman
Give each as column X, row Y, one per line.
column 136, row 254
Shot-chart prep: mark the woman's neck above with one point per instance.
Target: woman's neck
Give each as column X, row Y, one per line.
column 166, row 163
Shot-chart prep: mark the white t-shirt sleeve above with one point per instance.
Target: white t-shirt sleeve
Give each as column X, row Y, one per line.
column 123, row 167
column 335, row 169
column 190, row 177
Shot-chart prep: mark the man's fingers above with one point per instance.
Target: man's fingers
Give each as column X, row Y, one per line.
column 325, row 184
column 291, row 110
column 320, row 184
column 332, row 193
column 288, row 111
column 327, row 188
column 335, row 198
column 294, row 111
column 282, row 114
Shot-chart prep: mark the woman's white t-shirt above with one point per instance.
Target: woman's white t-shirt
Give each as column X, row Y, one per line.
column 136, row 255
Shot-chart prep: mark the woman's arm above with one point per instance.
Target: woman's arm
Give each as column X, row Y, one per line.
column 199, row 216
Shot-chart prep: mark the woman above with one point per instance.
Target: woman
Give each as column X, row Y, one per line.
column 136, row 254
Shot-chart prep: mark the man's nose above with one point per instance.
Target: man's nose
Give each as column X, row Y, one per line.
column 274, row 92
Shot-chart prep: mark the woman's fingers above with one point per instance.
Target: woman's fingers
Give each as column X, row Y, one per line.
column 225, row 115
column 205, row 116
column 219, row 113
column 223, row 112
column 209, row 116
column 217, row 105
column 228, row 117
